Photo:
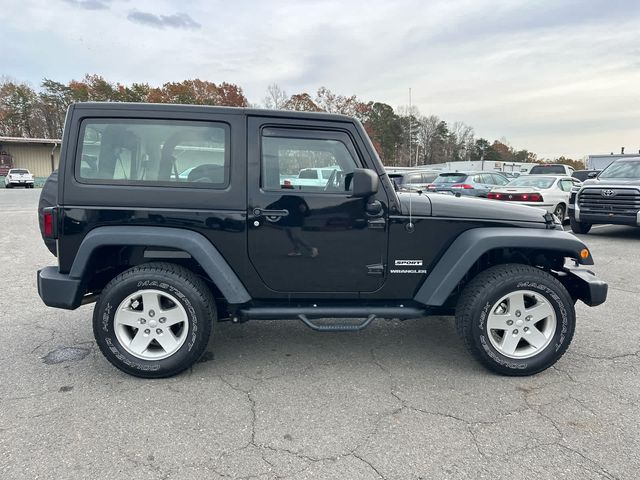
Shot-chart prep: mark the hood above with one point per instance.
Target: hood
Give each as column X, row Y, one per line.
column 438, row 205
column 596, row 182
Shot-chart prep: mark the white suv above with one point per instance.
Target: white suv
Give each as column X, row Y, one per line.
column 18, row 177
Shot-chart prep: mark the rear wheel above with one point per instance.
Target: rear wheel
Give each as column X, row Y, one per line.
column 560, row 212
column 154, row 320
column 579, row 227
column 516, row 319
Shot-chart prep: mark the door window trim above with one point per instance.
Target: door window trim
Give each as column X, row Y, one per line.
column 285, row 131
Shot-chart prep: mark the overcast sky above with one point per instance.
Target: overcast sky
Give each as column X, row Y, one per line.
column 555, row 77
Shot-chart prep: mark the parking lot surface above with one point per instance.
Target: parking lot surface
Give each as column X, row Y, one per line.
column 400, row 400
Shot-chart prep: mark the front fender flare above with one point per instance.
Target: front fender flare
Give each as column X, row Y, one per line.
column 472, row 244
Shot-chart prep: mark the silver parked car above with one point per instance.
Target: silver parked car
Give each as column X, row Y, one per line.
column 475, row 184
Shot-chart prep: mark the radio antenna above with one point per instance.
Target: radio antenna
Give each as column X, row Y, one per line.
column 410, row 156
column 409, row 226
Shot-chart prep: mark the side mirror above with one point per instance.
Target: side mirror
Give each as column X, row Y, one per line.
column 592, row 175
column 365, row 182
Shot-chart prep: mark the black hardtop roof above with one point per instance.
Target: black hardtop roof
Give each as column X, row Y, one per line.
column 171, row 107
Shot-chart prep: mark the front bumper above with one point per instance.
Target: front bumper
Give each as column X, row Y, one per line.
column 58, row 289
column 600, row 218
column 584, row 285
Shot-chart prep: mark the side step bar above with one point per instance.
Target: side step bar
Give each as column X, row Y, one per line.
column 337, row 327
column 306, row 314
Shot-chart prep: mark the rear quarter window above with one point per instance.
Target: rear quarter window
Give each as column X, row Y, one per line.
column 153, row 152
column 548, row 169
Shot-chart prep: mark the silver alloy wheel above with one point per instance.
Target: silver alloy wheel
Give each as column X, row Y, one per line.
column 521, row 324
column 151, row 324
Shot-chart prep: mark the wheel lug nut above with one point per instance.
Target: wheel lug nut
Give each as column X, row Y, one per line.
column 152, row 313
column 526, row 329
column 162, row 319
column 143, row 320
column 509, row 322
column 515, row 332
column 528, row 319
column 158, row 331
column 518, row 313
column 147, row 331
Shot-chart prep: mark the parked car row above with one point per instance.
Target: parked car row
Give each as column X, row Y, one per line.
column 550, row 191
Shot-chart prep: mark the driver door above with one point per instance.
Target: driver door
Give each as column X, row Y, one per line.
column 305, row 232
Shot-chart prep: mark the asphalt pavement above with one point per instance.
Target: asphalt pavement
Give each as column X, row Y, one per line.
column 275, row 400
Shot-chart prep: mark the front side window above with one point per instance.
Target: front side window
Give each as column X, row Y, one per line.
column 306, row 164
column 146, row 152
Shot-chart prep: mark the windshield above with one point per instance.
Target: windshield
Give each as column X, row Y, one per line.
column 622, row 169
column 538, row 182
column 547, row 169
column 450, row 178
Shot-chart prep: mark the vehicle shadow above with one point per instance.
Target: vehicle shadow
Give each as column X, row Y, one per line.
column 614, row 231
column 288, row 347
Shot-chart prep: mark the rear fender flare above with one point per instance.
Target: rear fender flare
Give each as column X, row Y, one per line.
column 195, row 244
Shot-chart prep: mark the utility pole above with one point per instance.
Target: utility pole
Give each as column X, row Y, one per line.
column 410, row 156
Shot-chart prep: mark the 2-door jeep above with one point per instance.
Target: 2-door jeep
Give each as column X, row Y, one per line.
column 172, row 218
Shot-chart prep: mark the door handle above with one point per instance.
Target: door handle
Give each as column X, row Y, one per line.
column 258, row 212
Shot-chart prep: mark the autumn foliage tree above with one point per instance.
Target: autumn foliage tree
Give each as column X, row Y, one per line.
column 25, row 112
column 401, row 136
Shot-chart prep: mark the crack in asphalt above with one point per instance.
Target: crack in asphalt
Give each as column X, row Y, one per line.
column 607, row 357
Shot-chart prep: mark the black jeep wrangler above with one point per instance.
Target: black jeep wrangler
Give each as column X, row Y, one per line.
column 173, row 217
column 610, row 196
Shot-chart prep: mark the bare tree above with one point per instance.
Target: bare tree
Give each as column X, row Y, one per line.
column 276, row 98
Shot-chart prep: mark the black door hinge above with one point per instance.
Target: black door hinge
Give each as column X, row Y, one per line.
column 375, row 269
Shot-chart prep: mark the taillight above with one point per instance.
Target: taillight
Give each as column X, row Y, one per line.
column 465, row 186
column 531, row 197
column 516, row 197
column 431, row 186
column 49, row 223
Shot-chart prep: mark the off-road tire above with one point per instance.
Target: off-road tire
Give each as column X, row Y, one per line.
column 193, row 294
column 580, row 227
column 481, row 294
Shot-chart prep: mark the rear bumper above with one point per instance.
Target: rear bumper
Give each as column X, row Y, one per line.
column 58, row 289
column 19, row 182
column 584, row 285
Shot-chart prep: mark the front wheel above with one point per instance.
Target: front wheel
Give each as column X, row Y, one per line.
column 516, row 319
column 579, row 227
column 154, row 320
